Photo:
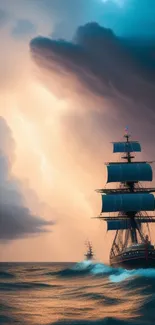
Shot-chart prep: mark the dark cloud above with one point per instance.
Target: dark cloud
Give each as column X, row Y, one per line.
column 118, row 71
column 16, row 220
column 23, row 28
column 104, row 63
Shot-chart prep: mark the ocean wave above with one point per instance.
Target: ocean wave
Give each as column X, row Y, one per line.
column 30, row 269
column 79, row 269
column 100, row 298
column 6, row 320
column 115, row 275
column 6, row 286
column 104, row 321
column 80, row 293
column 6, row 275
column 126, row 274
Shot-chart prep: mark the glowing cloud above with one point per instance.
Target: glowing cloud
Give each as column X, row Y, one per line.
column 16, row 220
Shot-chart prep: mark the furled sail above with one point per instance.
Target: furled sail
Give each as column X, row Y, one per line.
column 128, row 202
column 117, row 224
column 134, row 172
column 132, row 146
column 145, row 220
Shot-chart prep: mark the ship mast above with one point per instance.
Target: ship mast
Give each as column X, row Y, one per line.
column 130, row 200
column 89, row 253
column 129, row 158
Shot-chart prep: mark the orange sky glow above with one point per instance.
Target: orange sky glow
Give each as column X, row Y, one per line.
column 59, row 152
column 62, row 175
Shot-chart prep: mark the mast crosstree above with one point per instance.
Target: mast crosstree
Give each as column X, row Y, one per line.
column 131, row 200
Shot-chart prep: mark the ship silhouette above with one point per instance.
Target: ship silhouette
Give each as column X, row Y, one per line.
column 89, row 254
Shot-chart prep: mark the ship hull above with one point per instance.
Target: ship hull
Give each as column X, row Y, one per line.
column 132, row 262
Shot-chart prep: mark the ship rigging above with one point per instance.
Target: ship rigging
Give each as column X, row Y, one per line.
column 133, row 203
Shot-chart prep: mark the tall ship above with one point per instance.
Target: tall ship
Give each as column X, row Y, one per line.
column 89, row 254
column 129, row 207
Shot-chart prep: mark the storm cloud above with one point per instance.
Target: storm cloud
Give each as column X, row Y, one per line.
column 16, row 220
column 97, row 57
column 103, row 64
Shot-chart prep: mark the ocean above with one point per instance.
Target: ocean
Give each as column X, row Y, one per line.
column 75, row 293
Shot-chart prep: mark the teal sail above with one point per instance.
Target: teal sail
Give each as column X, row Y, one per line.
column 128, row 202
column 132, row 146
column 126, row 223
column 118, row 224
column 134, row 172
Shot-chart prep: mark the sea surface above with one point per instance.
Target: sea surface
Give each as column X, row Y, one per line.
column 70, row 293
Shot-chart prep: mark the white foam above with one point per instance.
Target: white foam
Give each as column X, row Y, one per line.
column 82, row 265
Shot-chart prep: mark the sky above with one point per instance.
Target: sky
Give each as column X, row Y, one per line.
column 73, row 74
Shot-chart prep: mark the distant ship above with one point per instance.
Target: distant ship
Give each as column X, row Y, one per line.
column 89, row 255
column 131, row 247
